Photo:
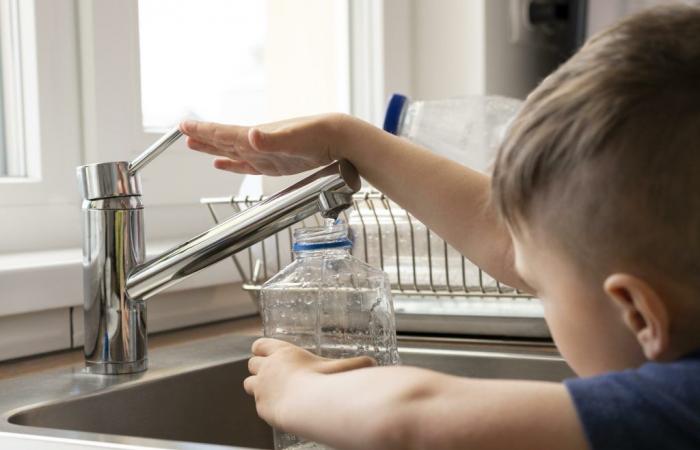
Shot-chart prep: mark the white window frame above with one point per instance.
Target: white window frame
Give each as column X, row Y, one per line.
column 46, row 115
column 12, row 88
column 382, row 47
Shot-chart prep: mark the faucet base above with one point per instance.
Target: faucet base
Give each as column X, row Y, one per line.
column 100, row 368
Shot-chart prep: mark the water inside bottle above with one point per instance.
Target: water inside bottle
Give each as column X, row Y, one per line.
column 306, row 445
column 348, row 322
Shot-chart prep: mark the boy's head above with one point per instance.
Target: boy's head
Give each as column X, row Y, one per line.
column 599, row 182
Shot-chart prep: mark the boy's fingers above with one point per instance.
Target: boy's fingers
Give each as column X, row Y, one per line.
column 195, row 144
column 265, row 346
column 235, row 166
column 343, row 365
column 211, row 132
column 264, row 166
column 199, row 130
column 254, row 364
column 249, row 384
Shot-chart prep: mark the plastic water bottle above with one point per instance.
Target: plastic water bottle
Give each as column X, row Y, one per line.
column 465, row 129
column 330, row 303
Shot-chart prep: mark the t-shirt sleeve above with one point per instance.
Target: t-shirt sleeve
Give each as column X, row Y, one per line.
column 637, row 409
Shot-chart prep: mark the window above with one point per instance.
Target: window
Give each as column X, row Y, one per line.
column 215, row 69
column 242, row 61
column 12, row 159
column 41, row 133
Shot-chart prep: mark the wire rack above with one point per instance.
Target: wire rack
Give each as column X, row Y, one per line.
column 434, row 286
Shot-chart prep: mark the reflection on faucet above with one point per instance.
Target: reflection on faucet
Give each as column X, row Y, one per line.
column 117, row 281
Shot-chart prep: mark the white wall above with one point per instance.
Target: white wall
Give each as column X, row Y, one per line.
column 462, row 47
column 447, row 48
column 292, row 48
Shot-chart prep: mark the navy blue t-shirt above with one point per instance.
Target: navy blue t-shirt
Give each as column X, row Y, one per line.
column 656, row 406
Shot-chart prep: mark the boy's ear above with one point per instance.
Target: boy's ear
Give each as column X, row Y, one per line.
column 643, row 312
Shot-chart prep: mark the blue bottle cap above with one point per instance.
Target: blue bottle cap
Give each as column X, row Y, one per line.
column 310, row 246
column 394, row 110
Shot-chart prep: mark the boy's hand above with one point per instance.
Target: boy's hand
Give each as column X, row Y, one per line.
column 280, row 369
column 280, row 148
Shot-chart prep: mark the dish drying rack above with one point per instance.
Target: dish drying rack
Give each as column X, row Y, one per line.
column 435, row 289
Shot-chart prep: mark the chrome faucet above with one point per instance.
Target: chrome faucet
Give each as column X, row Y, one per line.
column 117, row 280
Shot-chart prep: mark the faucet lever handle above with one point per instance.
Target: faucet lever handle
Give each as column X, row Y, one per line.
column 154, row 150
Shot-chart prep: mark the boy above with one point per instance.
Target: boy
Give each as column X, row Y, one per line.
column 593, row 206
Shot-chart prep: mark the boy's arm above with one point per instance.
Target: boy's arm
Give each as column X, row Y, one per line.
column 448, row 197
column 405, row 407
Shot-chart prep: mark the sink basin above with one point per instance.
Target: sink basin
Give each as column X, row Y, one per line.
column 192, row 393
column 205, row 405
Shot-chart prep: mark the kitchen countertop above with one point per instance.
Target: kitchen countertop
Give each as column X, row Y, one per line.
column 247, row 326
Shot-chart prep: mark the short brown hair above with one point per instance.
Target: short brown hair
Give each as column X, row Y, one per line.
column 605, row 153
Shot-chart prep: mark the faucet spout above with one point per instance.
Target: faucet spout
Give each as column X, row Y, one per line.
column 327, row 191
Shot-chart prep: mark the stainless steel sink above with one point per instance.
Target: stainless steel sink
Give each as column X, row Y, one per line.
column 192, row 393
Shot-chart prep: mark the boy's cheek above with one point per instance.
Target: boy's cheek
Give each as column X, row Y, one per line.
column 590, row 337
column 571, row 331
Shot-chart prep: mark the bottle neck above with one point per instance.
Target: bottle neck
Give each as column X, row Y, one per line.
column 338, row 252
column 331, row 238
